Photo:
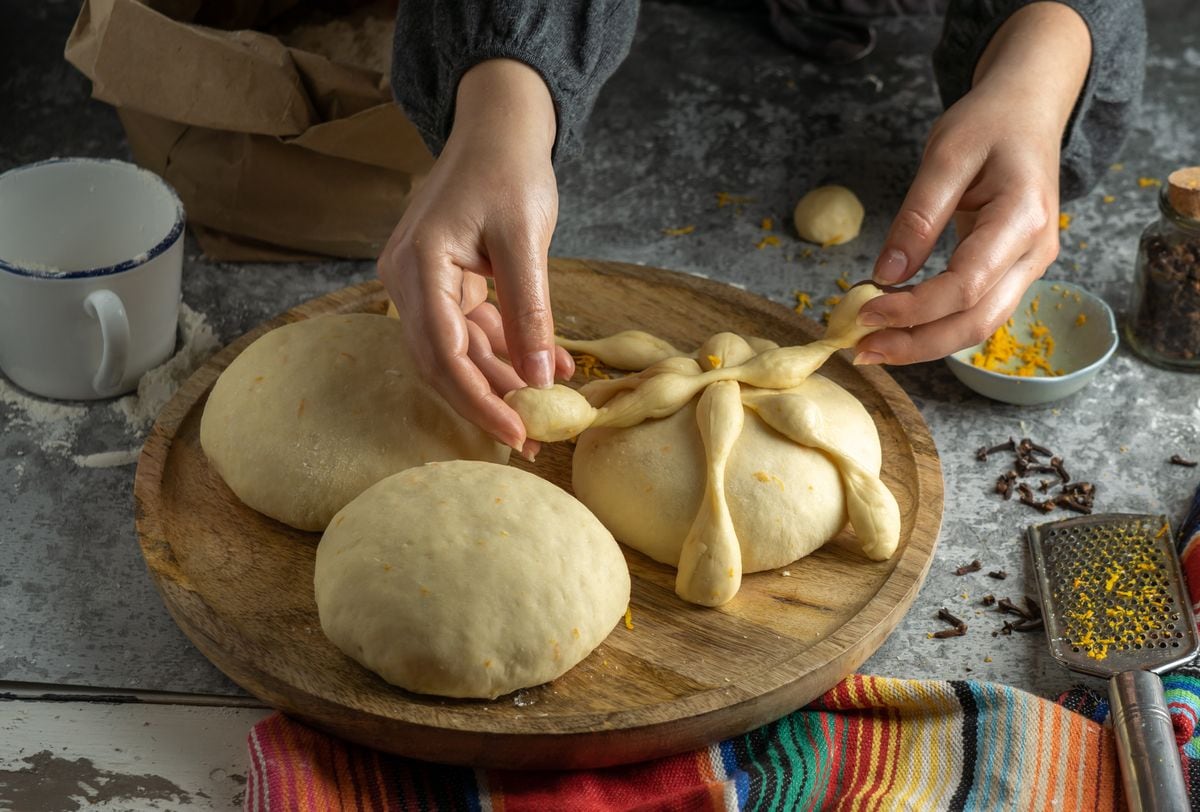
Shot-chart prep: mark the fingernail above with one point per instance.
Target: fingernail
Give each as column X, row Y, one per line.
column 891, row 266
column 539, row 369
column 528, row 452
column 864, row 359
column 872, row 319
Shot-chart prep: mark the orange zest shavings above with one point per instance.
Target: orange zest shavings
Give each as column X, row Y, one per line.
column 1064, row 221
column 769, row 239
column 1080, row 320
column 843, row 282
column 589, row 366
column 803, row 301
column 1003, row 352
column 629, row 618
column 678, row 232
column 1144, row 182
column 767, row 224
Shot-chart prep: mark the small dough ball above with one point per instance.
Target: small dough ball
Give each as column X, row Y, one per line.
column 315, row 412
column 829, row 215
column 646, row 482
column 468, row 579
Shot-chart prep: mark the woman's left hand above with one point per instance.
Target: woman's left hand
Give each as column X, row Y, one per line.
column 991, row 163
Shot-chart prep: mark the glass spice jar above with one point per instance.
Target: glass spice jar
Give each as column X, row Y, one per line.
column 1164, row 314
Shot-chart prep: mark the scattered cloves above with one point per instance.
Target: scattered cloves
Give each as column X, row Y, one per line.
column 1178, row 460
column 974, row 566
column 989, row 600
column 999, row 575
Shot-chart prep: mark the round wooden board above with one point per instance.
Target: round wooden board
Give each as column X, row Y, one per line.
column 240, row 584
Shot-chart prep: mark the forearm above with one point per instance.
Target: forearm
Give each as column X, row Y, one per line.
column 572, row 45
column 1039, row 56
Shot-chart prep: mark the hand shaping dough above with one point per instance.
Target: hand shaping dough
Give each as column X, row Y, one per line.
column 315, row 412
column 828, row 215
column 468, row 579
column 559, row 412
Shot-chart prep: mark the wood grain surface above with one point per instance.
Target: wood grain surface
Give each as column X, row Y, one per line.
column 240, row 584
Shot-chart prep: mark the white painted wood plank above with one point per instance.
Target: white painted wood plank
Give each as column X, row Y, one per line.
column 57, row 756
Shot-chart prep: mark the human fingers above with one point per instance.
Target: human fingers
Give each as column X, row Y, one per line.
column 488, row 317
column 1006, row 229
column 947, row 169
column 938, row 339
column 523, row 291
column 502, row 377
column 428, row 291
column 474, row 291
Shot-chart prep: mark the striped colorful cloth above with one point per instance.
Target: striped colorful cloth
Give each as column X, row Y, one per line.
column 869, row 744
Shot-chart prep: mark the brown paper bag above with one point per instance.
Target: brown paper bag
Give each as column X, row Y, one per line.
column 276, row 152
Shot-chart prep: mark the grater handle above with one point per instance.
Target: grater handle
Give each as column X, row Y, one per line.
column 1146, row 749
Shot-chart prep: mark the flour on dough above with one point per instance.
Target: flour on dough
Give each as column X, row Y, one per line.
column 313, row 413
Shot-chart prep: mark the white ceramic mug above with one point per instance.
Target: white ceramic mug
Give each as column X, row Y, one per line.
column 91, row 257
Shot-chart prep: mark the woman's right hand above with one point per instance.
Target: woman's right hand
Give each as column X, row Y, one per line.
column 487, row 209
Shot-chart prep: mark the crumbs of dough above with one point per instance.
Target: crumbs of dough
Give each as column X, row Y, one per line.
column 629, row 618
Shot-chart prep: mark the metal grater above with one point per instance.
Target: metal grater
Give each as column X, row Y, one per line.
column 1074, row 560
column 1115, row 606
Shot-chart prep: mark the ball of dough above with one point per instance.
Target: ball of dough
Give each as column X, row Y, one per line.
column 829, row 215
column 468, row 579
column 646, row 483
column 315, row 412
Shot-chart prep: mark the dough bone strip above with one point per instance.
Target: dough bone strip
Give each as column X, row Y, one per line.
column 558, row 413
column 710, row 561
column 634, row 350
column 873, row 511
column 628, row 349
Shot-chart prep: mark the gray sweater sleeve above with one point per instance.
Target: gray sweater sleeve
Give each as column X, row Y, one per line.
column 1107, row 107
column 574, row 44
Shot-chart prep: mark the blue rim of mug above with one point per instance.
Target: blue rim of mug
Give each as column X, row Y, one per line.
column 124, row 265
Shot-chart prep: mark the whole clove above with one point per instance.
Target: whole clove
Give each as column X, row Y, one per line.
column 982, row 453
column 1004, row 484
column 974, row 566
column 1178, row 460
column 989, row 600
column 944, row 614
column 1056, row 464
column 1044, row 486
column 999, row 575
column 1006, row 605
column 957, row 631
column 1035, row 610
column 1027, row 625
column 959, row 628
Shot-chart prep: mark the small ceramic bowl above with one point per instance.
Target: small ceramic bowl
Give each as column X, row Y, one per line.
column 1080, row 350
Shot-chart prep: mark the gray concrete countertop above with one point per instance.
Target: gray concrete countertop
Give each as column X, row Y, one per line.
column 707, row 102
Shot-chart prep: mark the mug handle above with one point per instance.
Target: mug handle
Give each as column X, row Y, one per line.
column 107, row 308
